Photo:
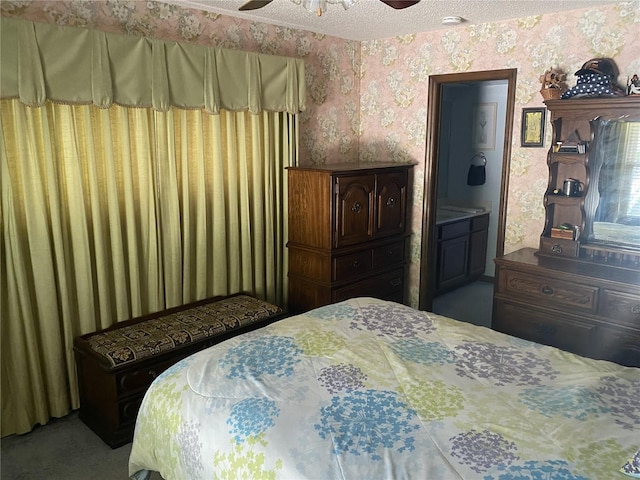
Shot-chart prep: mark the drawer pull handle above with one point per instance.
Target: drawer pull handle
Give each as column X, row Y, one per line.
column 153, row 374
column 391, row 202
column 355, row 264
column 395, row 282
column 635, row 309
column 357, row 208
column 390, row 253
column 556, row 249
column 547, row 290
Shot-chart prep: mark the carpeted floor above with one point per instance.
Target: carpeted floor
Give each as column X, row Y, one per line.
column 471, row 303
column 64, row 449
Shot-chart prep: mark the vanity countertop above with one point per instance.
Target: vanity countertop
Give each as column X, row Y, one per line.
column 453, row 214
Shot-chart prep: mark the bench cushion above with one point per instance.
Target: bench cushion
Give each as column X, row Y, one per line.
column 122, row 345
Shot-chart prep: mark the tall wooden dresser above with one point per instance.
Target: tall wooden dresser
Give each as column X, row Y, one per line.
column 347, row 232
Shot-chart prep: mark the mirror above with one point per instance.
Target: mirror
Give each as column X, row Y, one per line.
column 612, row 203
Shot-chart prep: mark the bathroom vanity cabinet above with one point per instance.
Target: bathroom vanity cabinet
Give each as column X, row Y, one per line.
column 461, row 249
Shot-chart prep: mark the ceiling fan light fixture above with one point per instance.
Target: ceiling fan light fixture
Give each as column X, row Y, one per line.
column 320, row 6
column 347, row 4
column 452, row 20
column 315, row 6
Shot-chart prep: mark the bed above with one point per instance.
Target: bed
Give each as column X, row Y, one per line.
column 370, row 389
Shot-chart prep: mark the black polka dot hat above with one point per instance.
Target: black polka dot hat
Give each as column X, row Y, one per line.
column 595, row 78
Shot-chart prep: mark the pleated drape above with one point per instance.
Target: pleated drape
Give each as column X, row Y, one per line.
column 112, row 213
column 42, row 61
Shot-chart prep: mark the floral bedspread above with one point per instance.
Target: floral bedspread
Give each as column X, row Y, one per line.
column 369, row 389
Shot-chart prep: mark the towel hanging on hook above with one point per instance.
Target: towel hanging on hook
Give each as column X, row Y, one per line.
column 477, row 170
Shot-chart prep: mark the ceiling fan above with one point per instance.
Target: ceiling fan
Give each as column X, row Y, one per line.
column 318, row 5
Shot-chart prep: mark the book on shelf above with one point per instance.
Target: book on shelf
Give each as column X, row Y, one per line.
column 572, row 144
column 573, row 148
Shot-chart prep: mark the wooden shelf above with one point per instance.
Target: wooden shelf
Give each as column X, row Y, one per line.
column 568, row 158
column 551, row 198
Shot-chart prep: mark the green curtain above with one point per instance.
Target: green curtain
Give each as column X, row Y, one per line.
column 43, row 61
column 144, row 203
column 113, row 213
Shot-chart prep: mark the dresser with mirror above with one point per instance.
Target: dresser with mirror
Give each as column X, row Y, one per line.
column 580, row 290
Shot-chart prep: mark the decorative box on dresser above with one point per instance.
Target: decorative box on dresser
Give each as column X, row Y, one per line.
column 580, row 291
column 347, row 232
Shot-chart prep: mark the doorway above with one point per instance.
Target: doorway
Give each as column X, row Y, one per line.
column 439, row 125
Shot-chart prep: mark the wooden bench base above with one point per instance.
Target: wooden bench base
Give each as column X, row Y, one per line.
column 117, row 365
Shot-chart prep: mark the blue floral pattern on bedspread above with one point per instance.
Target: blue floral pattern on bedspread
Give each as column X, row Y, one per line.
column 262, row 356
column 533, row 470
column 368, row 422
column 571, row 402
column 372, row 389
column 419, row 351
column 251, row 416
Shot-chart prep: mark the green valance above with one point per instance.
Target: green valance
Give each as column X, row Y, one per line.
column 42, row 62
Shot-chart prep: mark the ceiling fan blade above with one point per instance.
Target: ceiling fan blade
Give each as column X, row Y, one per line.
column 400, row 4
column 255, row 4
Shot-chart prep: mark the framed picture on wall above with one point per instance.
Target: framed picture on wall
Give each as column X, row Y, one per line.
column 532, row 130
column 484, row 126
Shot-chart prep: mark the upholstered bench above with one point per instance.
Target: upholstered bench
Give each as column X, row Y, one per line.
column 117, row 365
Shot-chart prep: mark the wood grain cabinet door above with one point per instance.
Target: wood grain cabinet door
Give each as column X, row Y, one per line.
column 452, row 262
column 391, row 199
column 354, row 209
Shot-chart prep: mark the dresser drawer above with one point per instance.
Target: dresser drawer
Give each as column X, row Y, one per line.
column 128, row 409
column 388, row 255
column 619, row 344
column 138, row 379
column 623, row 308
column 561, row 331
column 388, row 286
column 351, row 266
column 559, row 247
column 549, row 291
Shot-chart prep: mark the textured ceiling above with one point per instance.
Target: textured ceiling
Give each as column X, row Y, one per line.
column 372, row 19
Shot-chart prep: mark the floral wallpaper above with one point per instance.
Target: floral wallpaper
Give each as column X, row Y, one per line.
column 394, row 80
column 368, row 100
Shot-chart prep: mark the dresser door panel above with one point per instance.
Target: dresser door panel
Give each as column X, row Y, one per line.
column 477, row 252
column 392, row 203
column 452, row 257
column 355, row 204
